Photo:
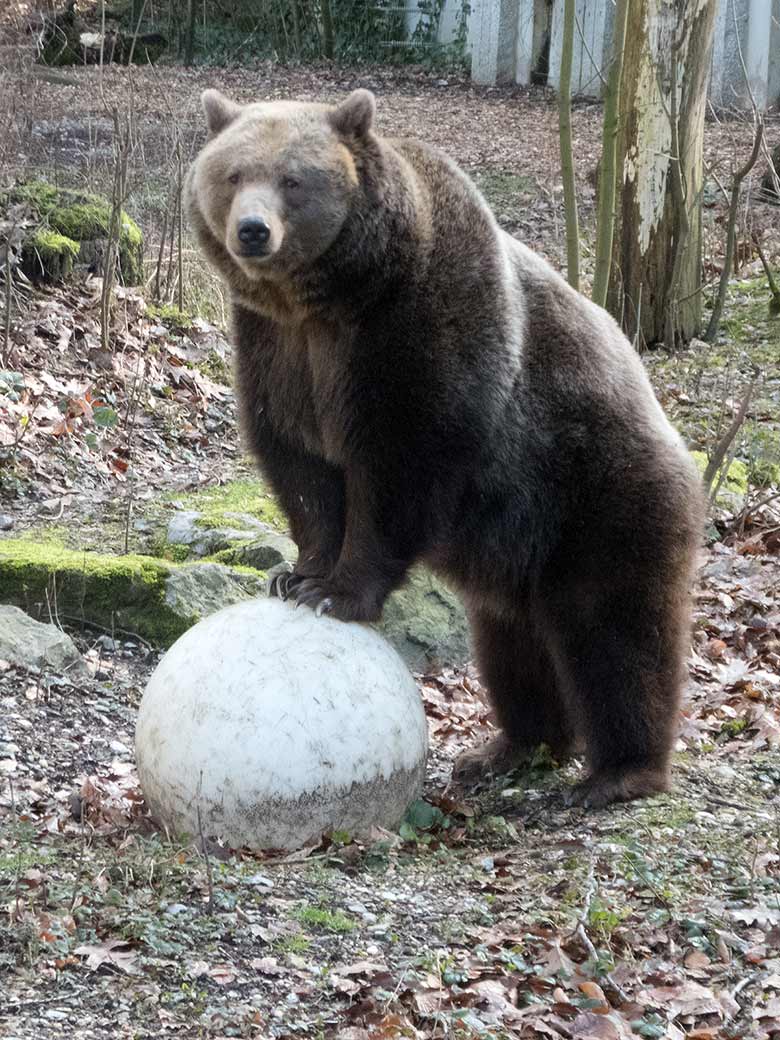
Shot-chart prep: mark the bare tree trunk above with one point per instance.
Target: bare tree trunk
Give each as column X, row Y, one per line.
column 567, row 160
column 605, row 227
column 328, row 46
column 189, row 41
column 657, row 245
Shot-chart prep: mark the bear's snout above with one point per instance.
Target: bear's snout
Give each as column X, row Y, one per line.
column 254, row 235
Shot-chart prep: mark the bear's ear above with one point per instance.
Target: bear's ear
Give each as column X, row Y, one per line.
column 355, row 116
column 220, row 111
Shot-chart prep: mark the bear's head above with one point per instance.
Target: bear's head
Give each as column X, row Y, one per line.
column 276, row 181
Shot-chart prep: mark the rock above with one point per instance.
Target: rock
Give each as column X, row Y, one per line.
column 27, row 643
column 143, row 594
column 203, row 588
column 426, row 624
column 6, row 522
column 184, row 529
column 267, row 551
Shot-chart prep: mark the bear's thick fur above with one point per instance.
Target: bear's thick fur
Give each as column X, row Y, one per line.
column 417, row 385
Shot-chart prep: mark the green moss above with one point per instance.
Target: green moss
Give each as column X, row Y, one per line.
column 84, row 217
column 736, row 478
column 128, row 589
column 169, row 315
column 298, row 943
column 50, row 244
column 41, row 196
column 216, row 368
column 325, row 920
column 176, row 553
column 733, row 727
column 50, row 254
column 237, row 496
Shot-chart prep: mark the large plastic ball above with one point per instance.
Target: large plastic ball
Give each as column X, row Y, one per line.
column 273, row 726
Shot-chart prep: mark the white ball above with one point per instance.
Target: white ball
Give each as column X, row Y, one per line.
column 279, row 725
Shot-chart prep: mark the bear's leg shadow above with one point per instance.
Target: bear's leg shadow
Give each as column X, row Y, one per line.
column 621, row 663
column 522, row 686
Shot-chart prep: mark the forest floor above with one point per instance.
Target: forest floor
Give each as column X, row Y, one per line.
column 495, row 912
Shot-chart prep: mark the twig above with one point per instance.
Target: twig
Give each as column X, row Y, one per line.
column 205, row 850
column 135, row 33
column 82, row 853
column 8, row 283
column 774, row 303
column 20, row 1005
column 588, row 51
column 712, row 800
column 132, row 414
column 108, row 631
column 723, row 445
column 731, row 231
column 581, row 933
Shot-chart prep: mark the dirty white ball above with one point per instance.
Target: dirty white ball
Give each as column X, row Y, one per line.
column 279, row 725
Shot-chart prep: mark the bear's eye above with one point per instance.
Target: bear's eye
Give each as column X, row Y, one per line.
column 291, row 183
column 234, row 178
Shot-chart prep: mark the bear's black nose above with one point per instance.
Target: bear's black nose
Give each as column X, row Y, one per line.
column 254, row 234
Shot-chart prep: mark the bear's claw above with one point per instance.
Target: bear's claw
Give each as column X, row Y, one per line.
column 323, row 598
column 282, row 580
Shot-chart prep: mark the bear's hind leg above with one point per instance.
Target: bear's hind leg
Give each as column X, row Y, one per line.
column 521, row 682
column 622, row 666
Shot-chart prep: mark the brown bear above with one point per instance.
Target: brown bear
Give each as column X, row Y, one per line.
column 419, row 386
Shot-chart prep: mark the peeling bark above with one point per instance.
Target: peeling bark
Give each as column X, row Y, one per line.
column 656, row 264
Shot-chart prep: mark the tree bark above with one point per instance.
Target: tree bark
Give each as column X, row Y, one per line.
column 656, row 257
column 605, row 226
column 567, row 160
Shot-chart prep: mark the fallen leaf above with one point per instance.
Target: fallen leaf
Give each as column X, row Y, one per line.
column 116, row 952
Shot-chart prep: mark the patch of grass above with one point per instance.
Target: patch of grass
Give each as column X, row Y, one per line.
column 298, row 943
column 605, row 917
column 504, row 190
column 216, row 368
column 237, row 496
column 325, row 920
column 168, row 314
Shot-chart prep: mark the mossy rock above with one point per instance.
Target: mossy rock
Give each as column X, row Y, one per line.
column 426, row 623
column 74, row 225
column 50, row 255
column 140, row 594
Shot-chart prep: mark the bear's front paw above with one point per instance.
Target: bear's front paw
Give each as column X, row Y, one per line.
column 325, row 597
